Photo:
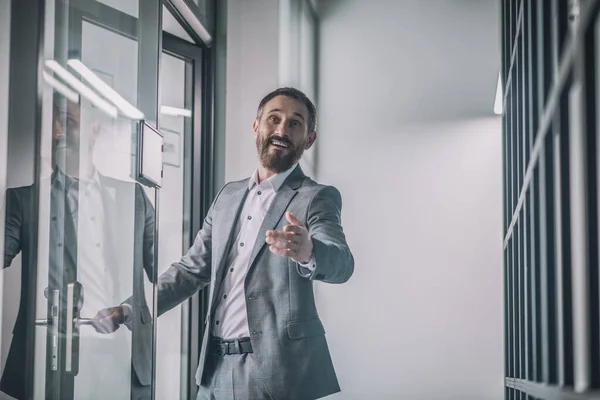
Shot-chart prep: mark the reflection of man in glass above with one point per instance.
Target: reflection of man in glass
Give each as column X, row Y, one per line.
column 99, row 228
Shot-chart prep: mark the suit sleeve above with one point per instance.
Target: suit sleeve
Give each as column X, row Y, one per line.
column 192, row 272
column 332, row 260
column 12, row 227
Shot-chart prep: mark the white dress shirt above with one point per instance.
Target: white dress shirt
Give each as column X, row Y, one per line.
column 230, row 319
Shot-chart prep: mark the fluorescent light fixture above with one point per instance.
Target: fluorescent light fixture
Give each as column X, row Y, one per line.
column 81, row 88
column 190, row 17
column 175, row 111
column 60, row 87
column 126, row 108
column 498, row 106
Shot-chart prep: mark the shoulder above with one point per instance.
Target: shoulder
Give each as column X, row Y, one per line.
column 231, row 188
column 20, row 194
column 318, row 189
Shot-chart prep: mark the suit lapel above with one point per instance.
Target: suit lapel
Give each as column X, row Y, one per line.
column 231, row 210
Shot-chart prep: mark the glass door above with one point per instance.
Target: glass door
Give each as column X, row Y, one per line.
column 96, row 224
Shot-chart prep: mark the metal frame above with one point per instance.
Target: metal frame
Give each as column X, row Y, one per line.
column 25, row 119
column 201, row 146
column 550, row 150
column 25, row 95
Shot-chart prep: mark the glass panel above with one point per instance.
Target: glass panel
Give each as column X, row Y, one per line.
column 96, row 224
column 171, row 222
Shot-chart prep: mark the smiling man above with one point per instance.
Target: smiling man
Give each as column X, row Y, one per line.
column 264, row 241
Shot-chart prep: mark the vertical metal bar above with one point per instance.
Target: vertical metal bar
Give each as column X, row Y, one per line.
column 579, row 251
column 516, row 76
column 546, row 72
column 524, row 56
column 149, row 55
column 558, row 252
column 554, row 54
column 537, row 274
column 511, row 310
column 517, row 295
column 547, row 265
column 522, row 302
column 592, row 118
column 24, row 130
column 564, row 229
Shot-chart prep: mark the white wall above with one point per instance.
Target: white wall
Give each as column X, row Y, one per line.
column 416, row 153
column 269, row 45
column 252, row 72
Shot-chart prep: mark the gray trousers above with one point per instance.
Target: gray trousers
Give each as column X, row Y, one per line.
column 232, row 377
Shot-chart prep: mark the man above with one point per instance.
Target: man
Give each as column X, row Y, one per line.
column 264, row 241
column 101, row 229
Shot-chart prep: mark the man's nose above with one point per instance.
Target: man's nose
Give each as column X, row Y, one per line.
column 281, row 130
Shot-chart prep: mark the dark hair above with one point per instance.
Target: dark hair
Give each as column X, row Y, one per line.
column 296, row 95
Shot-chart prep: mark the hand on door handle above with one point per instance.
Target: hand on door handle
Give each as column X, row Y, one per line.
column 108, row 320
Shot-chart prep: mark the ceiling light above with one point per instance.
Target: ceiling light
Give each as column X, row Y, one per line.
column 126, row 108
column 81, row 88
column 60, row 87
column 175, row 111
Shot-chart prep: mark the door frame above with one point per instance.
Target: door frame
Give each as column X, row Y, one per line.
column 25, row 115
column 201, row 144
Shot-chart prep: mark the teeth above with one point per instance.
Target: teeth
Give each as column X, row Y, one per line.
column 278, row 143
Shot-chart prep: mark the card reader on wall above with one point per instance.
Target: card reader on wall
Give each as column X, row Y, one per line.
column 149, row 156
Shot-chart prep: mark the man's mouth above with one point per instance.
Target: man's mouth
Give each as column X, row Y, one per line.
column 280, row 144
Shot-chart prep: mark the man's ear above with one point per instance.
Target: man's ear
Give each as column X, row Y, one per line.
column 255, row 127
column 311, row 139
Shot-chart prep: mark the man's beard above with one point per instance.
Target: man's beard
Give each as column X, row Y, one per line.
column 279, row 160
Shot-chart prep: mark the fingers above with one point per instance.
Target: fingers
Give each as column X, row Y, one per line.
column 284, row 252
column 107, row 320
column 284, row 240
column 291, row 219
column 294, row 228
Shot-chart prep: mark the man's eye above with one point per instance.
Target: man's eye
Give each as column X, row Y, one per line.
column 272, row 118
column 296, row 123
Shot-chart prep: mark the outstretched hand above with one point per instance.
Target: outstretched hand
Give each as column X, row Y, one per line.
column 293, row 241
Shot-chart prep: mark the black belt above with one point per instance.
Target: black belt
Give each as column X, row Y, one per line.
column 225, row 347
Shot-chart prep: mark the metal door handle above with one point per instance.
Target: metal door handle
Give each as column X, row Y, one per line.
column 83, row 321
column 76, row 321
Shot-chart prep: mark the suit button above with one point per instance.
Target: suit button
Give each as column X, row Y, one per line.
column 53, row 218
column 224, row 296
column 259, row 193
column 217, row 322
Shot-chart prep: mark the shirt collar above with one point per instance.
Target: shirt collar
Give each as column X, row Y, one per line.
column 66, row 181
column 276, row 180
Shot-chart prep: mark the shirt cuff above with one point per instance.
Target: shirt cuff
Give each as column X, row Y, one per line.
column 307, row 268
column 310, row 264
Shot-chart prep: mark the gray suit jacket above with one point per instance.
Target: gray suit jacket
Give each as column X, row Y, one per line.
column 287, row 335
